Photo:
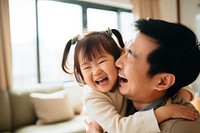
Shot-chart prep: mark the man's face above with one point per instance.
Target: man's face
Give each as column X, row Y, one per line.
column 135, row 83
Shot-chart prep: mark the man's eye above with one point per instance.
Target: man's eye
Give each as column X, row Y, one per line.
column 131, row 53
column 123, row 51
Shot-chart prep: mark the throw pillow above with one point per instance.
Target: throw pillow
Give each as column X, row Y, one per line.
column 52, row 107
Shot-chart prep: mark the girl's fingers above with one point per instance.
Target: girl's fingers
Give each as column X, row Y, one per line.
column 188, row 114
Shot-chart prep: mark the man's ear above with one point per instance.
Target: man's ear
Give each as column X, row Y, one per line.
column 165, row 81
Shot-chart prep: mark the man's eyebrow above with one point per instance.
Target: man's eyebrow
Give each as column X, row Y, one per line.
column 131, row 52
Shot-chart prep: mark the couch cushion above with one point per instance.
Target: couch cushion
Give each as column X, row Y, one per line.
column 75, row 125
column 52, row 107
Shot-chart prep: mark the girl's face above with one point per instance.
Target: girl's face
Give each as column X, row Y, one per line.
column 100, row 73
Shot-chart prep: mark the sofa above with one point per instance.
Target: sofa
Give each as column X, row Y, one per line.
column 19, row 111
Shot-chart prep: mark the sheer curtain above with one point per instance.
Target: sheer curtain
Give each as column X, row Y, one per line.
column 146, row 8
column 5, row 47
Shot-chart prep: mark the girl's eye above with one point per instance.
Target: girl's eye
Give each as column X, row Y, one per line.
column 85, row 68
column 102, row 61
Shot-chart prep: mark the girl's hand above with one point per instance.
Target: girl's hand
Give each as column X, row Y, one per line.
column 180, row 111
column 174, row 111
column 93, row 127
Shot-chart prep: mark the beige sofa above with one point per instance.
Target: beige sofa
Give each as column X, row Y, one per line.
column 18, row 113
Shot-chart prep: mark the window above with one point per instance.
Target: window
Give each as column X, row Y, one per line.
column 40, row 29
column 99, row 19
column 57, row 23
column 24, row 40
column 126, row 25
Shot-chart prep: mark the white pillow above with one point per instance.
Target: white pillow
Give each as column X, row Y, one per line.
column 52, row 107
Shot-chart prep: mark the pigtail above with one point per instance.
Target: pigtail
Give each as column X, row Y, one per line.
column 66, row 54
column 117, row 34
column 119, row 37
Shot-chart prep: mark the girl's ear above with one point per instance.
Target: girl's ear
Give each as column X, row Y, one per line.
column 165, row 81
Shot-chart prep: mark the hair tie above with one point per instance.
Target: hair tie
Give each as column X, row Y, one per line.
column 75, row 39
column 109, row 31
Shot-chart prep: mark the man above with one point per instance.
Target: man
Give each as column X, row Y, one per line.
column 163, row 58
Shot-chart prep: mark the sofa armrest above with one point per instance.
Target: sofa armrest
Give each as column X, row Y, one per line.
column 22, row 110
column 5, row 111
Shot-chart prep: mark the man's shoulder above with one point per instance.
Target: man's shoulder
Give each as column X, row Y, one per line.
column 180, row 126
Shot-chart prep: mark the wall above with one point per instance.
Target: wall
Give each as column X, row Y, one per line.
column 168, row 10
column 189, row 10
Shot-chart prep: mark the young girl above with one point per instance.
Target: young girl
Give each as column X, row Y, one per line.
column 94, row 65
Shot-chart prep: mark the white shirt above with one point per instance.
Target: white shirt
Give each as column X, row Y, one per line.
column 108, row 110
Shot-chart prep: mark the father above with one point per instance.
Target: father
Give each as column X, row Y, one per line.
column 163, row 58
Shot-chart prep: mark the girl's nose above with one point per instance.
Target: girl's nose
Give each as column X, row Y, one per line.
column 97, row 71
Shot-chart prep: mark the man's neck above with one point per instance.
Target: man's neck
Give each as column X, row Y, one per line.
column 147, row 106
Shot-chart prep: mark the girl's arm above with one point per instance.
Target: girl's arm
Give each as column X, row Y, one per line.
column 174, row 111
column 104, row 108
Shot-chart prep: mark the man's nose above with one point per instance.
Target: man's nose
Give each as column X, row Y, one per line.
column 118, row 62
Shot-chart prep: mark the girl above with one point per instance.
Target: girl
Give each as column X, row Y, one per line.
column 94, row 66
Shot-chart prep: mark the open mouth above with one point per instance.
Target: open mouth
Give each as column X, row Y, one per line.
column 101, row 81
column 122, row 79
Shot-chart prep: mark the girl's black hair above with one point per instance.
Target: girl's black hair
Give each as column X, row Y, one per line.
column 91, row 44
